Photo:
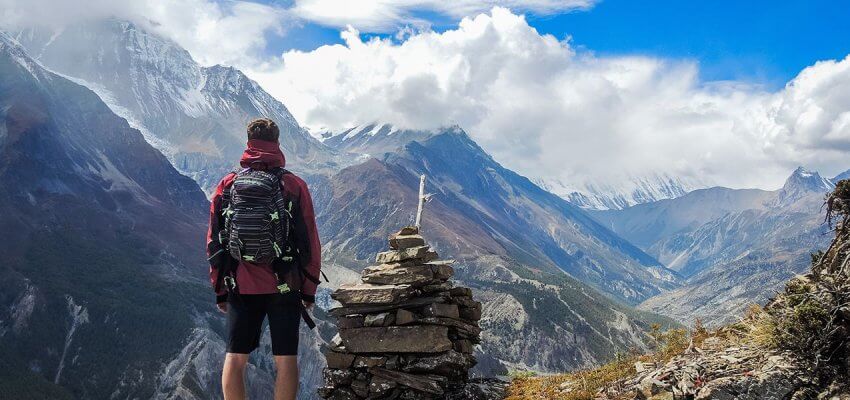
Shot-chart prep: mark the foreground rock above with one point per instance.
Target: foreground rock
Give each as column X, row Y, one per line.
column 405, row 331
column 719, row 370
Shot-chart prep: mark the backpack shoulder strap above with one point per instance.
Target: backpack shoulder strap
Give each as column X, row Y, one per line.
column 280, row 172
column 225, row 193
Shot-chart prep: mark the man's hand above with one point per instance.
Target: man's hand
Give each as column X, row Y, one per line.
column 308, row 305
column 222, row 307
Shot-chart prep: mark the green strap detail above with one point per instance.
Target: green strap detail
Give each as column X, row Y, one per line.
column 248, row 258
column 277, row 249
column 287, row 258
column 275, row 216
column 283, row 288
column 289, row 209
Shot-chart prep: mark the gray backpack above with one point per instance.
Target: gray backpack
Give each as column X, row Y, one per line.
column 256, row 217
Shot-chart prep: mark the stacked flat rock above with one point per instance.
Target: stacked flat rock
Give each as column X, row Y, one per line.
column 405, row 332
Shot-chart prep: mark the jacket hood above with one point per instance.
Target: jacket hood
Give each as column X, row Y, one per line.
column 262, row 152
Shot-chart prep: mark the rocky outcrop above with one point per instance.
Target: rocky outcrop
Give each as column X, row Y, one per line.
column 405, row 331
column 719, row 369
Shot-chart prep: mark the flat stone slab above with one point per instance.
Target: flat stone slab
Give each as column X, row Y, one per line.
column 339, row 360
column 376, row 308
column 393, row 274
column 448, row 363
column 400, row 242
column 397, row 339
column 418, row 382
column 462, row 327
column 372, row 294
column 407, row 273
column 412, row 253
column 404, row 317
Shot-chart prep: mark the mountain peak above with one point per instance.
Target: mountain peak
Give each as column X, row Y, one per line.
column 803, row 179
column 803, row 182
column 378, row 137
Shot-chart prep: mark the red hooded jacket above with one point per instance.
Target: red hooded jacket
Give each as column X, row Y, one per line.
column 256, row 278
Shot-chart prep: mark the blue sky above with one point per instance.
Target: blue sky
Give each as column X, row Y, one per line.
column 764, row 42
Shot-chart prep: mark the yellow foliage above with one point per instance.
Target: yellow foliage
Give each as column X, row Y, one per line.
column 583, row 385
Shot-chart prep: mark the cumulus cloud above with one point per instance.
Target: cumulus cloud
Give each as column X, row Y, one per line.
column 231, row 32
column 810, row 119
column 550, row 112
column 386, row 15
column 536, row 103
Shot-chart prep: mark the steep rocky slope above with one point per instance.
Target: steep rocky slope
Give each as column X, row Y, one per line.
column 102, row 223
column 496, row 211
column 513, row 242
column 105, row 288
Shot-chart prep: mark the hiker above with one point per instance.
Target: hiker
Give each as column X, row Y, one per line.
column 265, row 259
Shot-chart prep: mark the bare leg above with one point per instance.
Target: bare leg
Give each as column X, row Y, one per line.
column 233, row 376
column 286, row 383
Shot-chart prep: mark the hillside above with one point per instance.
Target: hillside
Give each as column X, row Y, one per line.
column 793, row 348
column 733, row 247
column 102, row 223
column 105, row 259
column 535, row 316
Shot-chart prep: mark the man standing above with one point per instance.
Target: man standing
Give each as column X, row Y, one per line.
column 265, row 259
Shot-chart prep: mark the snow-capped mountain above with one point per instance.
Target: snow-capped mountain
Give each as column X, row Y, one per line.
column 102, row 246
column 375, row 139
column 801, row 183
column 734, row 247
column 195, row 115
column 624, row 193
column 105, row 287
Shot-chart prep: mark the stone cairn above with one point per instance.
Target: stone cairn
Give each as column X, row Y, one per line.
column 405, row 332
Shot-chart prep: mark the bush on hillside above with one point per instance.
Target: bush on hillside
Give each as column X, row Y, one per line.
column 811, row 317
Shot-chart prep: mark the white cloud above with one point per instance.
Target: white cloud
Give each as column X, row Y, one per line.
column 386, row 15
column 550, row 112
column 539, row 106
column 231, row 32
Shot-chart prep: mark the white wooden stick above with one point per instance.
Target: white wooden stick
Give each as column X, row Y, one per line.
column 421, row 200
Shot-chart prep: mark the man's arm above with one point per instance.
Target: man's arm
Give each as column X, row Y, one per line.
column 313, row 264
column 216, row 253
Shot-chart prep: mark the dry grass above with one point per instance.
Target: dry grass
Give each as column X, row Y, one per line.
column 586, row 383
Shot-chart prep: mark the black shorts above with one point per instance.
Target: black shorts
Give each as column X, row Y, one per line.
column 245, row 315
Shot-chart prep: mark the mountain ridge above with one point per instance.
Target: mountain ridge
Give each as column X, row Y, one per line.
column 194, row 114
column 732, row 246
